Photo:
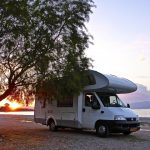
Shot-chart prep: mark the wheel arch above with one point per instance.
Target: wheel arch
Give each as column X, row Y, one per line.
column 51, row 118
column 101, row 122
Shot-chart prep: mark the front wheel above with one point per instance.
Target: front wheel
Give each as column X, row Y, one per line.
column 102, row 130
column 52, row 126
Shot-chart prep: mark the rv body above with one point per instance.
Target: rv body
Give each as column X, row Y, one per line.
column 97, row 107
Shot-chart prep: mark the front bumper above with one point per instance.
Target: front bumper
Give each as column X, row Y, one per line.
column 124, row 126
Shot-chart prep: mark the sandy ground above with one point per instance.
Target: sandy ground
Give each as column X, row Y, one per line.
column 21, row 133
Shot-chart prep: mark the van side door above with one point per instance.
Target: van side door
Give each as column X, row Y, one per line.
column 90, row 110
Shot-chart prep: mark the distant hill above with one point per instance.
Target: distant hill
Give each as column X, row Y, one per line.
column 141, row 105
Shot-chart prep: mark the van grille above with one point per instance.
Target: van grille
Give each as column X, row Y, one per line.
column 131, row 119
column 134, row 125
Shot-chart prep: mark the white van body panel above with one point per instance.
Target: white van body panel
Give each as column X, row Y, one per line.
column 126, row 112
column 110, row 83
column 80, row 115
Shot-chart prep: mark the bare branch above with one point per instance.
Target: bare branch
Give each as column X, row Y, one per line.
column 60, row 30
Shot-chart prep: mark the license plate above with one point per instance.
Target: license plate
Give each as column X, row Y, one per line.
column 133, row 129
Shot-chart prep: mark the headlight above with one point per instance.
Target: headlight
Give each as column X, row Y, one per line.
column 119, row 118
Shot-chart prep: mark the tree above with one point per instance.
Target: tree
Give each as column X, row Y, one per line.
column 43, row 40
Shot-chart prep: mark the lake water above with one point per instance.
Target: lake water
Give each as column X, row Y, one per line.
column 18, row 113
column 140, row 112
column 143, row 112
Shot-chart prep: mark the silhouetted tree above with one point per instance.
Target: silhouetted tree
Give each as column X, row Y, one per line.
column 43, row 40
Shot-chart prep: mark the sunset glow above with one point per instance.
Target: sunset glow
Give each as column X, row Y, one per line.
column 12, row 105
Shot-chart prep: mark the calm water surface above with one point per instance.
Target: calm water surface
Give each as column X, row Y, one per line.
column 140, row 112
column 143, row 112
column 18, row 113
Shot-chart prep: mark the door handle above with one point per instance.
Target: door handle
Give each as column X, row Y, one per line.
column 83, row 109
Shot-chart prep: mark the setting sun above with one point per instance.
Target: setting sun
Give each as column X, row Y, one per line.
column 14, row 105
column 11, row 105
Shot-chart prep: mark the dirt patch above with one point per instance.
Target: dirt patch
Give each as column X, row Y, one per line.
column 21, row 133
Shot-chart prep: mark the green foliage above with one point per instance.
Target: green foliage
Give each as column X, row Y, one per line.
column 44, row 40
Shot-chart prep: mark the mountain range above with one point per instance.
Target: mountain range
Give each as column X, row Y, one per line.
column 140, row 105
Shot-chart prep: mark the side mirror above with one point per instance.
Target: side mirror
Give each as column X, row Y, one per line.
column 128, row 105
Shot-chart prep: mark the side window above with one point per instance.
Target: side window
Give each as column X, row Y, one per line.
column 65, row 102
column 113, row 100
column 105, row 100
column 90, row 99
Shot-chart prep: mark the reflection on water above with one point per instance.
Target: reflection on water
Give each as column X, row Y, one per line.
column 143, row 112
column 18, row 113
column 140, row 112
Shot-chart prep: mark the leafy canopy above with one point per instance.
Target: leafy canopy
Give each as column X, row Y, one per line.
column 43, row 40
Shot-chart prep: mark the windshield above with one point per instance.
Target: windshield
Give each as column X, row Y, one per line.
column 110, row 100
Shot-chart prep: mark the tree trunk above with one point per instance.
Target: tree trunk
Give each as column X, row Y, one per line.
column 7, row 92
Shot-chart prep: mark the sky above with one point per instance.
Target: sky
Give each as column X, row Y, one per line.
column 121, row 42
column 121, row 37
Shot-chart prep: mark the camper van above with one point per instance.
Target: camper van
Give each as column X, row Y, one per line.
column 98, row 107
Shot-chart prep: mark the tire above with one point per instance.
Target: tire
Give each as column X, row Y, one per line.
column 52, row 126
column 127, row 133
column 102, row 130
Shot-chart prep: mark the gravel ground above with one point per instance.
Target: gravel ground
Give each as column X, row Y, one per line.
column 21, row 133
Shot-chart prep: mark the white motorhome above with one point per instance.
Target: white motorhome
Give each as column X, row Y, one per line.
column 97, row 107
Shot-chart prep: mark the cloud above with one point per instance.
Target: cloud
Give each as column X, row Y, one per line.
column 142, row 94
column 144, row 77
column 142, row 58
column 140, row 43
